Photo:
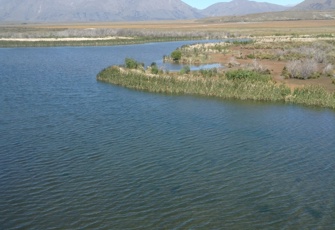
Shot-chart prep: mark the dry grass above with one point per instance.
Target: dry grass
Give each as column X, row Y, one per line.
column 238, row 28
column 301, row 59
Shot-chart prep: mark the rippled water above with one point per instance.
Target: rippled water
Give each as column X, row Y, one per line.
column 79, row 154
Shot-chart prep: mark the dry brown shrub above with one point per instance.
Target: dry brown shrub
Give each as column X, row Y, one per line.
column 328, row 70
column 302, row 69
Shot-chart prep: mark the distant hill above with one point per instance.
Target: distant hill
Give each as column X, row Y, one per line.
column 143, row 10
column 95, row 10
column 274, row 16
column 241, row 7
column 315, row 5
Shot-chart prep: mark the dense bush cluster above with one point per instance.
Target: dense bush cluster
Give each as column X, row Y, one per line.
column 154, row 68
column 176, row 55
column 305, row 60
column 301, row 69
column 243, row 74
column 133, row 64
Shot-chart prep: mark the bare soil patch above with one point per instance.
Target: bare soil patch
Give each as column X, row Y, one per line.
column 275, row 67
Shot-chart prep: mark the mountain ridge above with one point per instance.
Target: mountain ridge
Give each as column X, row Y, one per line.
column 89, row 10
column 241, row 7
column 137, row 10
column 315, row 5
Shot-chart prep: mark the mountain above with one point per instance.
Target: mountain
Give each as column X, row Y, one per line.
column 273, row 16
column 94, row 10
column 241, row 7
column 315, row 5
column 138, row 10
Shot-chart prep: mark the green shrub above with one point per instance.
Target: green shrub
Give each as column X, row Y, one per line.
column 154, row 68
column 132, row 64
column 285, row 73
column 185, row 70
column 251, row 56
column 241, row 42
column 325, row 36
column 242, row 74
column 176, row 55
column 209, row 72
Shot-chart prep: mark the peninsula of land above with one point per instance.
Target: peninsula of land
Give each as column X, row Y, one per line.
column 291, row 69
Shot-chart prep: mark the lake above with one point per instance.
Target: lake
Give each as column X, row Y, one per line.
column 79, row 154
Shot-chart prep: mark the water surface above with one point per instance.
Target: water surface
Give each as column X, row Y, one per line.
column 79, row 154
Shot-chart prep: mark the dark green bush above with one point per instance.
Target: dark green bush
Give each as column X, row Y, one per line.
column 251, row 56
column 242, row 74
column 176, row 55
column 132, row 64
column 154, row 68
column 185, row 70
column 209, row 72
column 240, row 42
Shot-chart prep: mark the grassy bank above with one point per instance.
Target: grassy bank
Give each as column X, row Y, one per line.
column 235, row 84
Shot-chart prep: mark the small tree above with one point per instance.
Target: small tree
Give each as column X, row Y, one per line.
column 154, row 68
column 132, row 64
column 176, row 55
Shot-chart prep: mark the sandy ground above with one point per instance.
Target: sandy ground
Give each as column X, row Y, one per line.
column 275, row 67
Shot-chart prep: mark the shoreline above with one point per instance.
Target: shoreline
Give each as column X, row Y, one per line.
column 65, row 39
column 84, row 41
column 120, row 40
column 233, row 84
column 291, row 69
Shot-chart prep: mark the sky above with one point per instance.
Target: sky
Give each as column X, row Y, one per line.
column 202, row 4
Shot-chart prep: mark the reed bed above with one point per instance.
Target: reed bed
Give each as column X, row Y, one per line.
column 237, row 84
column 313, row 95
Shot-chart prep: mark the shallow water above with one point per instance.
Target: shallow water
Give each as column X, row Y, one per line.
column 79, row 154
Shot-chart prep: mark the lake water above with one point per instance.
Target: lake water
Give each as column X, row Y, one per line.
column 79, row 154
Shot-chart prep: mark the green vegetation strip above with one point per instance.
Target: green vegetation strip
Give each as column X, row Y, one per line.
column 235, row 84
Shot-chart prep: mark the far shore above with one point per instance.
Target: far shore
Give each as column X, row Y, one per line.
column 118, row 33
column 87, row 41
column 65, row 39
column 268, row 39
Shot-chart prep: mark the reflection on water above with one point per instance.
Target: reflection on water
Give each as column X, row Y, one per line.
column 177, row 67
column 79, row 154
